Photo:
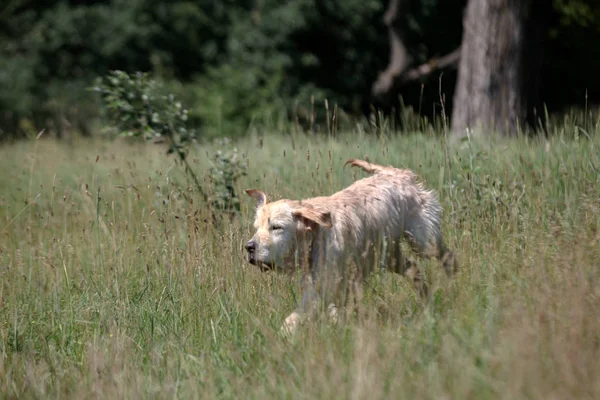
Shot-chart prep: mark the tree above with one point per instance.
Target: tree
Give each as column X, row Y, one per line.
column 50, row 51
column 417, row 52
column 500, row 63
column 397, row 72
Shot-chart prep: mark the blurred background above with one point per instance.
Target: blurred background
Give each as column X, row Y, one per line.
column 238, row 63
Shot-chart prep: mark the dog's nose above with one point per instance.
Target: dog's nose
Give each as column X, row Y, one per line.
column 250, row 246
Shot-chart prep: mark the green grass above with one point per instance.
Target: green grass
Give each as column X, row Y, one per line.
column 116, row 284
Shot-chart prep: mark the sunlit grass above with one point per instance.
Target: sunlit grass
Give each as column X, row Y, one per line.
column 116, row 283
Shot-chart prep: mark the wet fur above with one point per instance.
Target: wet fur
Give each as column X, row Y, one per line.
column 338, row 239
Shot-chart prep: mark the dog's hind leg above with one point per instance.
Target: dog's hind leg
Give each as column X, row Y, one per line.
column 426, row 246
column 448, row 260
column 406, row 267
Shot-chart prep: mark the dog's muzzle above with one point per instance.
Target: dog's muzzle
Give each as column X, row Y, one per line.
column 251, row 249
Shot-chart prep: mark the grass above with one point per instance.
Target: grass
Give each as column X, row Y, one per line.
column 116, row 284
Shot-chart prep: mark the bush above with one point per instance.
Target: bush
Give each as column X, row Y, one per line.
column 139, row 107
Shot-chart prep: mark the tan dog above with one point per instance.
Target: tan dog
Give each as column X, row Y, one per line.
column 340, row 238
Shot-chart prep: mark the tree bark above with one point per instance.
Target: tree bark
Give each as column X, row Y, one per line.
column 398, row 54
column 397, row 72
column 499, row 66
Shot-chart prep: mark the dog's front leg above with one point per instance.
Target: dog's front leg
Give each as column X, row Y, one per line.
column 306, row 308
column 291, row 323
column 320, row 283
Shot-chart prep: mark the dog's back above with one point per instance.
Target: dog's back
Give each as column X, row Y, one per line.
column 392, row 202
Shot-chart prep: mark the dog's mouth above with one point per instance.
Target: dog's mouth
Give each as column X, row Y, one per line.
column 264, row 266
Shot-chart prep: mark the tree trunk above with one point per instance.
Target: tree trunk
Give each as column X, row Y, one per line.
column 499, row 66
column 397, row 72
column 384, row 84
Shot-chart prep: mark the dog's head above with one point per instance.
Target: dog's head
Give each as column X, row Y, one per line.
column 280, row 227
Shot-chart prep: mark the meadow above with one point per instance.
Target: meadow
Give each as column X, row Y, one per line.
column 116, row 283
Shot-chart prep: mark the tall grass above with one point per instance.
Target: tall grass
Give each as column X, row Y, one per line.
column 116, row 283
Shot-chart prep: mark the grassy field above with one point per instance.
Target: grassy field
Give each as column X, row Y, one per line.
column 116, row 284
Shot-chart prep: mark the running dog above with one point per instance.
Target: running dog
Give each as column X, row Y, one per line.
column 339, row 239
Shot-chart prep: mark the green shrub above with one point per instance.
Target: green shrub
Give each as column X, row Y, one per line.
column 140, row 107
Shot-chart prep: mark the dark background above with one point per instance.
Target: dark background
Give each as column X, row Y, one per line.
column 235, row 63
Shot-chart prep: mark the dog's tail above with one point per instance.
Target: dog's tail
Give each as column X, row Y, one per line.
column 369, row 167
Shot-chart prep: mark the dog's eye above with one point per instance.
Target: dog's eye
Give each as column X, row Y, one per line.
column 276, row 227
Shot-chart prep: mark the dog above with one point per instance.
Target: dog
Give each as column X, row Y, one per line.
column 337, row 240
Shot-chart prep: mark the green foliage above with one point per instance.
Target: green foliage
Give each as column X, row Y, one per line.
column 235, row 62
column 227, row 168
column 578, row 13
column 570, row 52
column 53, row 50
column 247, row 63
column 139, row 107
column 280, row 54
column 226, row 100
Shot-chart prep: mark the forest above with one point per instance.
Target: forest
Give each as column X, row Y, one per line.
column 233, row 63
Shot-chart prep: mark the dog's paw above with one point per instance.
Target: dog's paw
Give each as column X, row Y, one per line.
column 291, row 323
column 333, row 313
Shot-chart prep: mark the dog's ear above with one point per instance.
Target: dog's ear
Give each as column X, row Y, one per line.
column 259, row 196
column 313, row 219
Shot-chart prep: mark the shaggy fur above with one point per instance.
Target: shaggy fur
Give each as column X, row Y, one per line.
column 340, row 238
